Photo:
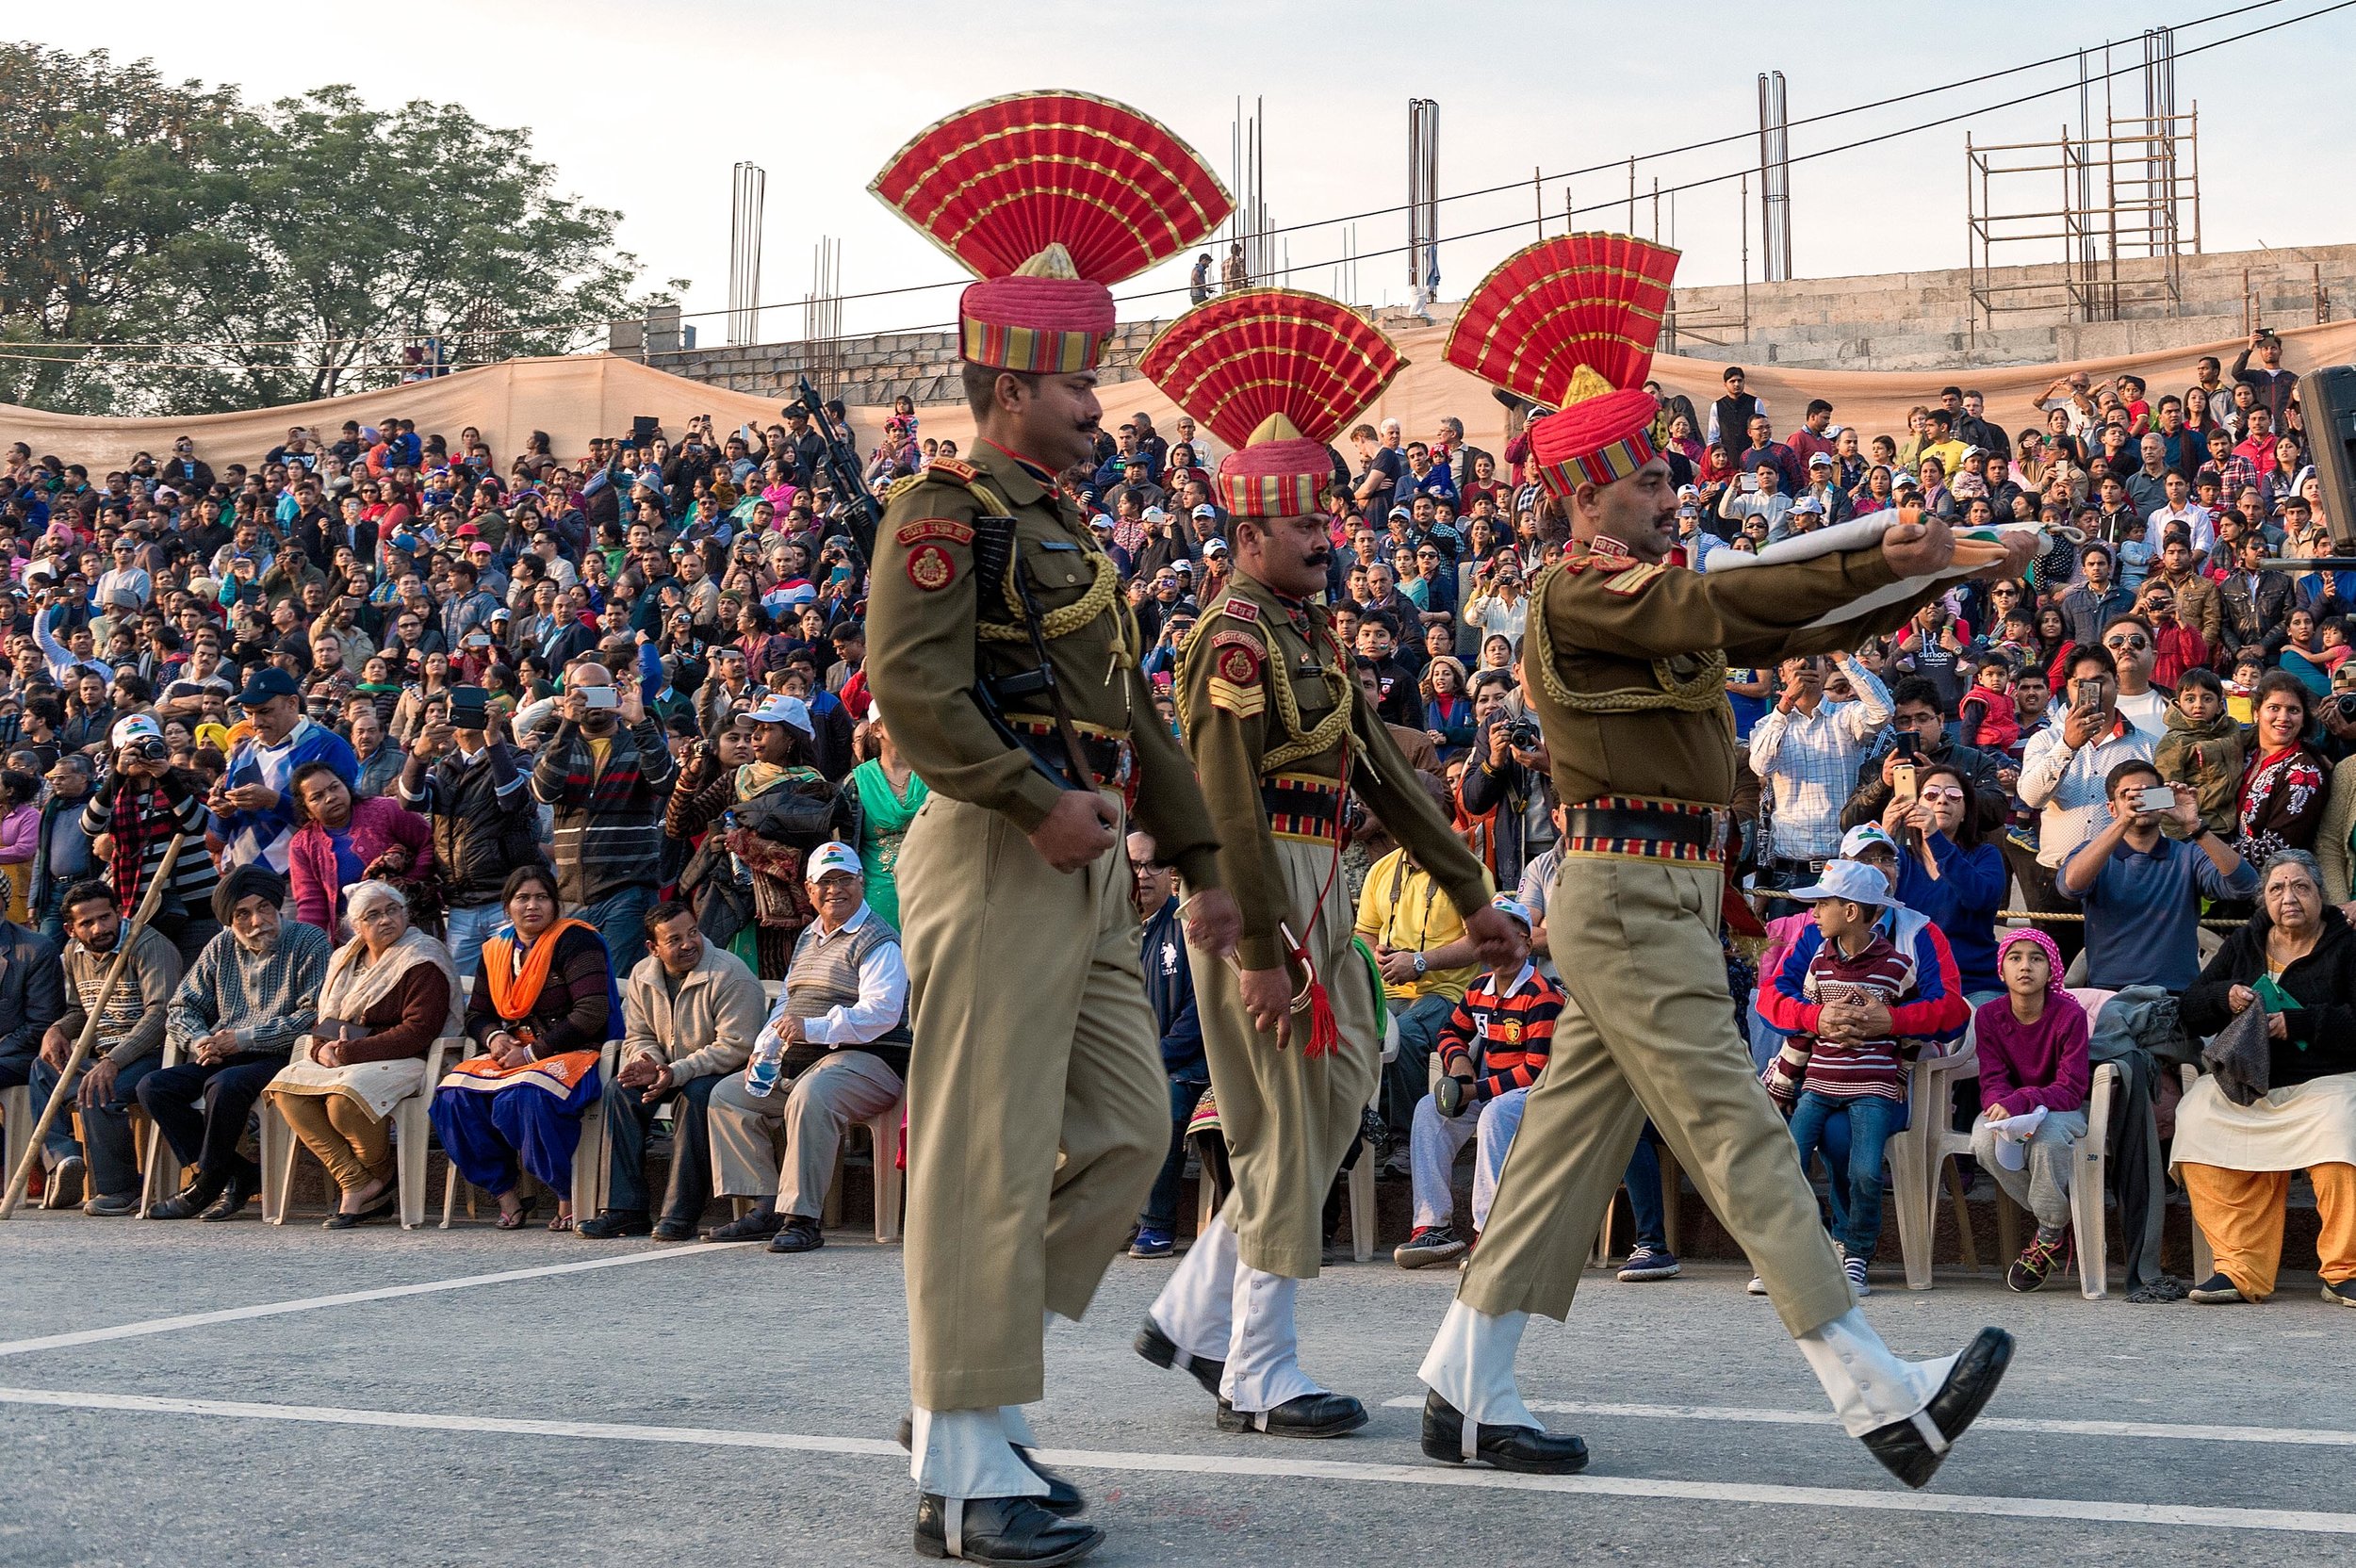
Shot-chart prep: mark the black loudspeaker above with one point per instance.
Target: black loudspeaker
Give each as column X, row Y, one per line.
column 2327, row 407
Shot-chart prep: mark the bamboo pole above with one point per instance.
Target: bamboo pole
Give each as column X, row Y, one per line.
column 146, row 913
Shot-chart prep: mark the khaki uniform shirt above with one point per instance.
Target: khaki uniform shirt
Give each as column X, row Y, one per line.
column 1263, row 692
column 1627, row 662
column 927, row 636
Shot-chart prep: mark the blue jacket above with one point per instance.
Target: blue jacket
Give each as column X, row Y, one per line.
column 1169, row 989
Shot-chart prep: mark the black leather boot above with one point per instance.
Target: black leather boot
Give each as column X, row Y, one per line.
column 1310, row 1416
column 1011, row 1531
column 1910, row 1454
column 1159, row 1348
column 1531, row 1450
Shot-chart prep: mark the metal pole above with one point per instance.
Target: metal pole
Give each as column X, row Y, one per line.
column 1743, row 197
column 123, row 944
column 1631, row 193
column 1538, row 200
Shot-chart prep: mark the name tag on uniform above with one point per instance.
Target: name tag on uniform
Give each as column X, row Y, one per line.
column 1057, row 544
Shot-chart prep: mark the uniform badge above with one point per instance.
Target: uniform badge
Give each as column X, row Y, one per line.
column 1634, row 581
column 1235, row 659
column 1243, row 610
column 931, row 568
column 935, row 528
column 950, row 468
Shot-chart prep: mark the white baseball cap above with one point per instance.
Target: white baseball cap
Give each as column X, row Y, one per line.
column 785, row 710
column 1847, row 880
column 138, row 727
column 832, row 856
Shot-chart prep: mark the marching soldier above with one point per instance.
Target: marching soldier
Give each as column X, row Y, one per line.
column 1038, row 1112
column 1625, row 663
column 1279, row 729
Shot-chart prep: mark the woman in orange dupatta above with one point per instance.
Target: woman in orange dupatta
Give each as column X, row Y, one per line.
column 544, row 1003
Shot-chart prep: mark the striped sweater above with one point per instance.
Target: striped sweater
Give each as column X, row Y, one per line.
column 606, row 819
column 1849, row 1070
column 1502, row 1032
column 138, row 820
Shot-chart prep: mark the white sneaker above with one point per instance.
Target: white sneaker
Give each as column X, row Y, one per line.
column 1756, row 1287
column 1855, row 1268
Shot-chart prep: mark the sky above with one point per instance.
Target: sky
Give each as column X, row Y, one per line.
column 646, row 108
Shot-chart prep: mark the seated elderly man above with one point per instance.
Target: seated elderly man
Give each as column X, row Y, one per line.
column 689, row 1014
column 840, row 1035
column 250, row 994
column 128, row 1045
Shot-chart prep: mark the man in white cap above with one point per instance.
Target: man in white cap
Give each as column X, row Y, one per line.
column 833, row 1053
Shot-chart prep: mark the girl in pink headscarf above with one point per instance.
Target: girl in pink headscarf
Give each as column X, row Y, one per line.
column 2032, row 1043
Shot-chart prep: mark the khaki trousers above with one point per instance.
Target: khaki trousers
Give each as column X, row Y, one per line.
column 351, row 1141
column 2241, row 1213
column 1288, row 1120
column 1039, row 1113
column 1647, row 1030
column 785, row 1142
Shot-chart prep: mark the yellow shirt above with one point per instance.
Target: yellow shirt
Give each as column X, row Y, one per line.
column 1404, row 909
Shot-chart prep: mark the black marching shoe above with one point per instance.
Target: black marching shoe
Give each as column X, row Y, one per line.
column 614, row 1224
column 1011, row 1531
column 1063, row 1498
column 1310, row 1416
column 1906, row 1448
column 760, row 1225
column 231, row 1204
column 668, row 1228
column 800, row 1234
column 1159, row 1348
column 1531, row 1450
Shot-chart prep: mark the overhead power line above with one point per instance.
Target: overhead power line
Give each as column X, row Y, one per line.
column 11, row 352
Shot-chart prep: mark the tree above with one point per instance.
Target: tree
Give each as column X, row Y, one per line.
column 222, row 256
column 355, row 231
column 104, row 170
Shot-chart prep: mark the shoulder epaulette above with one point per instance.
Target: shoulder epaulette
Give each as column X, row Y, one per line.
column 902, row 487
column 1634, row 579
column 950, row 469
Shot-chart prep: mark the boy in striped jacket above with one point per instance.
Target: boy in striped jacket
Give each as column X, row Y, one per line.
column 1490, row 1051
column 1843, row 1058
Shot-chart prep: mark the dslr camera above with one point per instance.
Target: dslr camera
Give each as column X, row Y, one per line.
column 1522, row 733
column 151, row 748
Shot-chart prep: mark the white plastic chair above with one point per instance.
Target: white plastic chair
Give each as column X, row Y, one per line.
column 588, row 1155
column 411, row 1131
column 160, row 1174
column 885, row 1146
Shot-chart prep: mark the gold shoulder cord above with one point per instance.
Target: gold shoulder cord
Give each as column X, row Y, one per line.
column 1704, row 691
column 1299, row 743
column 1102, row 594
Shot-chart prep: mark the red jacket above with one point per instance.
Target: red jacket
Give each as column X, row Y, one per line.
column 378, row 823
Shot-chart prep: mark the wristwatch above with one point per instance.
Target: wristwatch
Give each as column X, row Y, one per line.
column 1422, row 964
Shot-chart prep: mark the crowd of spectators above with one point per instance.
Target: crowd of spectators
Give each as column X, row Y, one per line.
column 586, row 738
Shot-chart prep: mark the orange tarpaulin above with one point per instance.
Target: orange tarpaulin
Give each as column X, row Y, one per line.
column 577, row 397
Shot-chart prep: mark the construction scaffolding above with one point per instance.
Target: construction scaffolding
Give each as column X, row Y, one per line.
column 2129, row 212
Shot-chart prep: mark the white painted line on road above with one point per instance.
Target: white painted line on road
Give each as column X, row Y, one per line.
column 2173, row 1432
column 2074, row 1510
column 312, row 1303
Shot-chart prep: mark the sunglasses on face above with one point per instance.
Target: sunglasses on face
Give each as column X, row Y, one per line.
column 2126, row 645
column 1943, row 792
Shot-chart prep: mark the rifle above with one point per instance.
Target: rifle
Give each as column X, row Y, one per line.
column 994, row 555
column 841, row 465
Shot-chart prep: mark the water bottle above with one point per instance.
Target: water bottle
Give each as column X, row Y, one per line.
column 768, row 1055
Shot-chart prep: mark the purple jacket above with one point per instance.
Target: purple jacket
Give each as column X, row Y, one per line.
column 378, row 823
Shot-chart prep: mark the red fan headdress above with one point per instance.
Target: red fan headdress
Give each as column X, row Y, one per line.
column 1570, row 324
column 1276, row 373
column 1050, row 198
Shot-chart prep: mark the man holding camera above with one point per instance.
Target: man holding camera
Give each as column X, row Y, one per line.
column 2277, row 388
column 2141, row 889
column 1511, row 775
column 605, row 772
column 473, row 789
column 2065, row 774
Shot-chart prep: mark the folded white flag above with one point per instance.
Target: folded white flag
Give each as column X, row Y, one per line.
column 2012, row 1136
column 1857, row 534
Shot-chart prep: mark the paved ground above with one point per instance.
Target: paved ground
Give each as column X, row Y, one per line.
column 720, row 1406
